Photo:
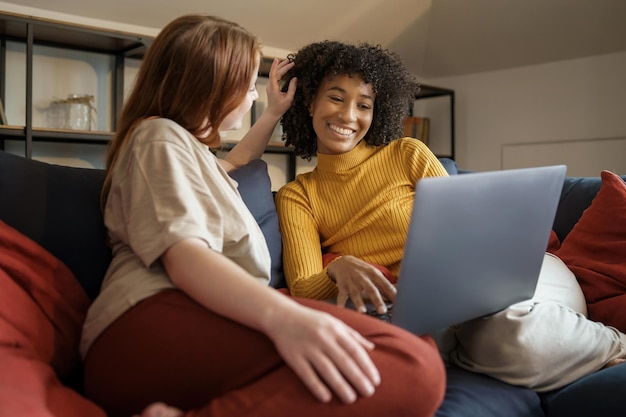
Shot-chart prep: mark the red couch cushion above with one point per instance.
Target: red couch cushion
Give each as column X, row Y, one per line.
column 553, row 243
column 42, row 309
column 595, row 251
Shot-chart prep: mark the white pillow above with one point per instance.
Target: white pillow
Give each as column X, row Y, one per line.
column 543, row 343
column 559, row 285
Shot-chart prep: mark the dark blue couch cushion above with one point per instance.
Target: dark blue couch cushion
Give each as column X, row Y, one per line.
column 59, row 208
column 449, row 165
column 474, row 395
column 600, row 394
column 576, row 196
column 256, row 191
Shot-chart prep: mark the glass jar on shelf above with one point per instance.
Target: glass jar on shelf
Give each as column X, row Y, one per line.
column 76, row 112
column 79, row 111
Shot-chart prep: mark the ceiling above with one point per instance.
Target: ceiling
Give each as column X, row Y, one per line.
column 435, row 38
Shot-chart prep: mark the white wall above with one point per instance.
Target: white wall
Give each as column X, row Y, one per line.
column 571, row 112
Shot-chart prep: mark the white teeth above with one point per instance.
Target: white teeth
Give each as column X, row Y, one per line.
column 341, row 131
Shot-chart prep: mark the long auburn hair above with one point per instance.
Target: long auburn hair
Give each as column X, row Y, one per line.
column 197, row 71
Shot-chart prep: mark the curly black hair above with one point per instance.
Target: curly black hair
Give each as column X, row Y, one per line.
column 394, row 86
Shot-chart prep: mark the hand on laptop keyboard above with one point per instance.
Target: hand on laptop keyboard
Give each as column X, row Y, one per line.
column 371, row 311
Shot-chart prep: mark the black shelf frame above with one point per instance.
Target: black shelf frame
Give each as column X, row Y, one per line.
column 33, row 31
column 429, row 91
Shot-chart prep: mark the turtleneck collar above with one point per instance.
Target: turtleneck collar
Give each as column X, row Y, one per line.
column 345, row 161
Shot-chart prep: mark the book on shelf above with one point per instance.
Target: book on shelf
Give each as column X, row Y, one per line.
column 417, row 127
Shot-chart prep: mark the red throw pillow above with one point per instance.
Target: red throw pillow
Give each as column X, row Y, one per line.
column 553, row 243
column 595, row 251
column 42, row 309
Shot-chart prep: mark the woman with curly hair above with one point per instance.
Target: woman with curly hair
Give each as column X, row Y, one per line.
column 344, row 223
column 344, row 226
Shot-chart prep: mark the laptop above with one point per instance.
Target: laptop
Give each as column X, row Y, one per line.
column 475, row 245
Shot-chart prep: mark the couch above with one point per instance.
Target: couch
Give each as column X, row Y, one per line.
column 53, row 257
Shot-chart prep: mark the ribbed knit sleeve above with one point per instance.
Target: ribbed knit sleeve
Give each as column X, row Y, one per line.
column 302, row 253
column 358, row 203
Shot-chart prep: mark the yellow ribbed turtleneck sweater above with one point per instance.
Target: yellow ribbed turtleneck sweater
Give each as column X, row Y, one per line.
column 357, row 203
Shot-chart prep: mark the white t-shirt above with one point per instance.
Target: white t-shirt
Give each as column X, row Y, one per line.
column 168, row 186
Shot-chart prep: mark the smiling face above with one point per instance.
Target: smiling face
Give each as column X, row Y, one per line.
column 342, row 112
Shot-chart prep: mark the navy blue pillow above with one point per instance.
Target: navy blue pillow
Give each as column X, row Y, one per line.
column 449, row 165
column 600, row 394
column 577, row 194
column 255, row 188
column 470, row 394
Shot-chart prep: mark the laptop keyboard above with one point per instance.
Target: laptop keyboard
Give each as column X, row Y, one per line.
column 370, row 310
column 384, row 317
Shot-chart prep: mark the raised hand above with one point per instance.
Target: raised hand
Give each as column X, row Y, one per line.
column 277, row 101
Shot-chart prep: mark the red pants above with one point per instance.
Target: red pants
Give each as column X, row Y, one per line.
column 169, row 348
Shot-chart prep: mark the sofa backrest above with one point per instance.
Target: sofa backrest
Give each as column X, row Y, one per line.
column 59, row 208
